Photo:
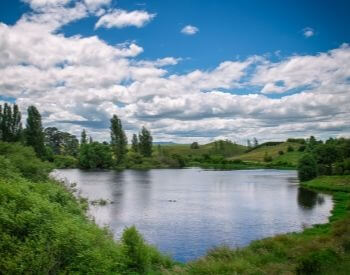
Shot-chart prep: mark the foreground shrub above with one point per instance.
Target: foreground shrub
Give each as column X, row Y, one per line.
column 25, row 161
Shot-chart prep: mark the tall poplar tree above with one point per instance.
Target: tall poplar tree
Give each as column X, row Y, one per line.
column 145, row 142
column 34, row 132
column 135, row 143
column 10, row 123
column 83, row 139
column 119, row 140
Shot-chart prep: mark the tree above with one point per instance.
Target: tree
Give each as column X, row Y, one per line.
column 135, row 143
column 10, row 123
column 249, row 143
column 256, row 142
column 194, row 145
column 34, row 132
column 83, row 138
column 95, row 155
column 145, row 142
column 307, row 167
column 119, row 141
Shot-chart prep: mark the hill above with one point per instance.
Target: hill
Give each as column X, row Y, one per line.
column 272, row 149
column 220, row 147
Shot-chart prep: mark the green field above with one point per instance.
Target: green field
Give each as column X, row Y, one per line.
column 228, row 150
column 258, row 154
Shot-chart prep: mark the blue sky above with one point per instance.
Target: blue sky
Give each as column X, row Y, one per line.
column 254, row 51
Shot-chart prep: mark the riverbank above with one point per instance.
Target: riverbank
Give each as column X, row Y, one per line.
column 322, row 249
column 44, row 229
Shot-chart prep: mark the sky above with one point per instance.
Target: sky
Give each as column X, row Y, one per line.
column 189, row 70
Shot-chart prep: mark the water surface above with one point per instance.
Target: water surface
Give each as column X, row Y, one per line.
column 185, row 212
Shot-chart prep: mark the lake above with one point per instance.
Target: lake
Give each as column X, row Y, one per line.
column 185, row 212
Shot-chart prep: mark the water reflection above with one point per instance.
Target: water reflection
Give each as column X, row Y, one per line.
column 185, row 212
column 308, row 199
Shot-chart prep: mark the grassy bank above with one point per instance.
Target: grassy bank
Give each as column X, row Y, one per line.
column 44, row 228
column 322, row 249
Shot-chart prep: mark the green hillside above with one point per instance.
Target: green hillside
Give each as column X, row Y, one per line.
column 221, row 147
column 272, row 150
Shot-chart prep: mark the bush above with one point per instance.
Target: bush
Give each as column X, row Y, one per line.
column 307, row 167
column 135, row 250
column 302, row 148
column 25, row 161
column 290, row 149
column 61, row 161
column 267, row 158
column 281, row 153
column 312, row 263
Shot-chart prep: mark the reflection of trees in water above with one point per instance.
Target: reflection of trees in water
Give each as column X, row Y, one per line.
column 309, row 199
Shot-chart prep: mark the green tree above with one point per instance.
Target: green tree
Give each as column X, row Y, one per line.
column 194, row 145
column 95, row 155
column 119, row 140
column 10, row 123
column 83, row 139
column 135, row 143
column 145, row 141
column 307, row 167
column 34, row 132
column 256, row 142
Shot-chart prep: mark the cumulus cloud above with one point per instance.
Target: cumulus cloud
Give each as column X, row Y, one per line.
column 308, row 32
column 189, row 30
column 80, row 82
column 121, row 18
column 96, row 4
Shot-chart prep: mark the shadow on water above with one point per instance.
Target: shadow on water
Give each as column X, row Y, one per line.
column 308, row 199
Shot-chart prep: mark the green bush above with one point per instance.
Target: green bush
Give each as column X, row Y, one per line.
column 290, row 148
column 267, row 157
column 307, row 167
column 312, row 262
column 44, row 229
column 61, row 161
column 25, row 161
column 280, row 152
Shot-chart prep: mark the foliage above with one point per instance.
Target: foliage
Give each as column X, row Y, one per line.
column 307, row 168
column 61, row 161
column 44, row 228
column 95, row 155
column 25, row 161
column 194, row 145
column 119, row 141
column 290, row 148
column 145, row 142
column 34, row 132
column 61, row 143
column 135, row 143
column 10, row 123
column 83, row 137
column 267, row 157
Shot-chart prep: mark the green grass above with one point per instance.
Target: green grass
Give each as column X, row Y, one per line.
column 185, row 149
column 258, row 154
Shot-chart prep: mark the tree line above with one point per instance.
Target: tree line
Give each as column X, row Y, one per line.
column 331, row 157
column 53, row 145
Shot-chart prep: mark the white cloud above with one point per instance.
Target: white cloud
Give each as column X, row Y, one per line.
column 80, row 82
column 121, row 18
column 37, row 4
column 189, row 30
column 96, row 4
column 308, row 32
column 325, row 70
